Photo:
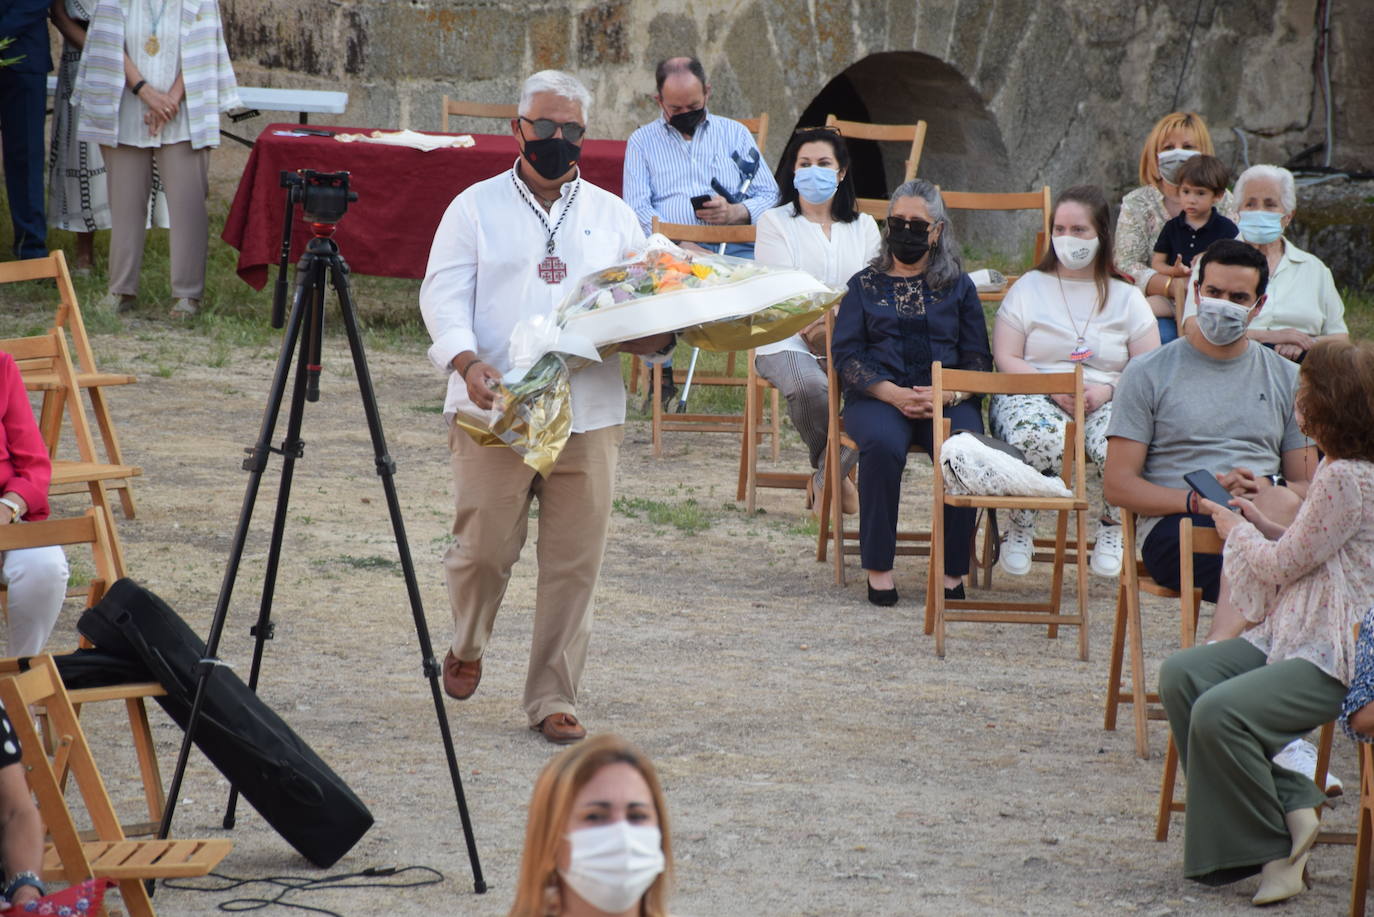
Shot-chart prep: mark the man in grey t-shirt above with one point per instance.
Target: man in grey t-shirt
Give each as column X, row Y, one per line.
column 1212, row 400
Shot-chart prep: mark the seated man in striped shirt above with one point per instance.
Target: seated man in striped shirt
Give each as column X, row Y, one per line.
column 674, row 159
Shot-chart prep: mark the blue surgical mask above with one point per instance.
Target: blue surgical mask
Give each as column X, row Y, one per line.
column 1260, row 226
column 816, row 184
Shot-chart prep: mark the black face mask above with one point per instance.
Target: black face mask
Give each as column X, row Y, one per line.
column 552, row 158
column 686, row 121
column 908, row 245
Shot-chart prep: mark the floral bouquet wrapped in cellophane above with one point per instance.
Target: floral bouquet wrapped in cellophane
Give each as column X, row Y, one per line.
column 715, row 302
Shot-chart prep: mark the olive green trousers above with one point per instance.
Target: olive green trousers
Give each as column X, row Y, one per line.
column 1230, row 713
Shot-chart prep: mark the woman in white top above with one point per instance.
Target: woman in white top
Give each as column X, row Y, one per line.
column 154, row 77
column 817, row 228
column 1074, row 308
column 1302, row 305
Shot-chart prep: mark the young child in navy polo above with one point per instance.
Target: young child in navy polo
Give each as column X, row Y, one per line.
column 1201, row 183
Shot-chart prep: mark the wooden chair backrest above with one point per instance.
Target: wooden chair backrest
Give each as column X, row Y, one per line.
column 48, row 353
column 465, row 109
column 759, row 128
column 705, row 234
column 1016, row 200
column 915, row 134
column 88, row 528
column 68, row 315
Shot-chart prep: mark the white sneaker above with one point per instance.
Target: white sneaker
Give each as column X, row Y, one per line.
column 1017, row 549
column 1106, row 559
column 1300, row 756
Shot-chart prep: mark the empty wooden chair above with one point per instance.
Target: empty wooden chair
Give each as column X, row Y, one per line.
column 913, row 134
column 1038, row 202
column 1046, row 612
column 88, row 377
column 68, row 858
column 463, row 109
column 750, row 478
column 759, row 128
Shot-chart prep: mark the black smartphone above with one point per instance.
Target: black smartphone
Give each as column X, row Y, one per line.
column 1206, row 486
column 700, row 201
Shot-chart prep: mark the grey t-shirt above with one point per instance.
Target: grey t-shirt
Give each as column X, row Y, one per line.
column 1195, row 412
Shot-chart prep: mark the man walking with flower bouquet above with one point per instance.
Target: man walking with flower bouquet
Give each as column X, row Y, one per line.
column 510, row 248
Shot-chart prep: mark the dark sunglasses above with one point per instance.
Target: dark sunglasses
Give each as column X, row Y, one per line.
column 897, row 224
column 544, row 128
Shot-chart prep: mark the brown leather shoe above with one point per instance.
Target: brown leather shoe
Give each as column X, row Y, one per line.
column 461, row 678
column 561, row 729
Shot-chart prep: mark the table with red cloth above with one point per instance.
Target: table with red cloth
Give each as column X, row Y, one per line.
column 402, row 195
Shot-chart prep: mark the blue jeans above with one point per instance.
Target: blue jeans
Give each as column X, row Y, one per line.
column 1168, row 329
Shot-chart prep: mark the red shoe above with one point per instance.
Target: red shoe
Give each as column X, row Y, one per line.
column 461, row 678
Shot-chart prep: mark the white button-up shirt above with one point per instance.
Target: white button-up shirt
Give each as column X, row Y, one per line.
column 483, row 277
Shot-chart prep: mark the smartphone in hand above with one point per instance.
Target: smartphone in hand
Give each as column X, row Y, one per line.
column 700, row 201
column 1206, row 486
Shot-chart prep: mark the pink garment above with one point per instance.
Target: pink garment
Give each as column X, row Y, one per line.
column 1308, row 589
column 24, row 464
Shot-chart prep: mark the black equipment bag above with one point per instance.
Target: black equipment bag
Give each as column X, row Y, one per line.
column 283, row 779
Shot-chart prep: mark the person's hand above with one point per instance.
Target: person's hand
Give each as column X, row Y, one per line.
column 1065, row 402
column 719, row 212
column 1242, row 482
column 1268, row 527
column 1224, row 519
column 1294, row 337
column 1289, row 351
column 920, row 404
column 645, row 346
column 162, row 107
column 482, row 380
column 1094, row 396
column 22, row 896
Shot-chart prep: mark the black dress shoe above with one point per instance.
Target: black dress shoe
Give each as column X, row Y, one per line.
column 882, row 597
column 957, row 593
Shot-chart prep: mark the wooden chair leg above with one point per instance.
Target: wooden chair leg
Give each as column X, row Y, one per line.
column 1166, row 792
column 751, row 447
column 657, row 422
column 1364, row 835
column 1136, row 641
column 113, row 454
column 777, row 425
column 1082, row 585
column 1061, row 540
column 635, row 368
column 147, row 757
column 1118, row 653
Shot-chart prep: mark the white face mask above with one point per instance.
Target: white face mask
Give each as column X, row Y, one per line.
column 1220, row 321
column 613, row 865
column 1170, row 161
column 1075, row 253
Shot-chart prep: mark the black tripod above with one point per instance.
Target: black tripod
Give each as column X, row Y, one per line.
column 324, row 199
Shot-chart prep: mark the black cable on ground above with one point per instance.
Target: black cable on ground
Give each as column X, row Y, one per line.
column 290, row 885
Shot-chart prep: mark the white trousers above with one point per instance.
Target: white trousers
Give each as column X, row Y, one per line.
column 37, row 580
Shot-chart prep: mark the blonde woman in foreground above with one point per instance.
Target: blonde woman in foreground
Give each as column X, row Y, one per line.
column 596, row 843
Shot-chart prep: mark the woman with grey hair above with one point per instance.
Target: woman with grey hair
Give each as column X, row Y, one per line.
column 912, row 306
column 1302, row 305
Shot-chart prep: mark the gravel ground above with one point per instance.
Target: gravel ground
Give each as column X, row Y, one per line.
column 817, row 757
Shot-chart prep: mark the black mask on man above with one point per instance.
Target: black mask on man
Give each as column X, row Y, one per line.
column 686, row 121
column 552, row 158
column 908, row 245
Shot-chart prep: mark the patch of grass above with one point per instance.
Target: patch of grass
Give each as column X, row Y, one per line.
column 688, row 517
column 1359, row 313
column 428, row 408
column 370, row 562
column 808, row 526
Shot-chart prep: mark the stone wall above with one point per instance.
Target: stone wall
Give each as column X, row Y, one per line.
column 1016, row 92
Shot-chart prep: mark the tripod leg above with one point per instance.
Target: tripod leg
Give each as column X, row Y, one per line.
column 386, row 469
column 255, row 464
column 292, row 448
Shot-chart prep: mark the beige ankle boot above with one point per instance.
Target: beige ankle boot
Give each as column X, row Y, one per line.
column 1303, row 825
column 1281, row 880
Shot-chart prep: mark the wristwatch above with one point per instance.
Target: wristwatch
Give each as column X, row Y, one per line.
column 14, row 508
column 24, row 878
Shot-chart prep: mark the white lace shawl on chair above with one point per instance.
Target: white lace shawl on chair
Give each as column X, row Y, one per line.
column 972, row 468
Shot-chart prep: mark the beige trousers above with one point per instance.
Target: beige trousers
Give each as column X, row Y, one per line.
column 493, row 490
column 186, row 177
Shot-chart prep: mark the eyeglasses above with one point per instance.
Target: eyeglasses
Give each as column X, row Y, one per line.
column 826, row 128
column 897, row 224
column 544, row 128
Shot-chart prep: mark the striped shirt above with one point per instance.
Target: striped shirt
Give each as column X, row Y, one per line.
column 664, row 171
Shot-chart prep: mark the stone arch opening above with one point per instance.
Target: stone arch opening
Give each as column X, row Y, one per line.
column 964, row 149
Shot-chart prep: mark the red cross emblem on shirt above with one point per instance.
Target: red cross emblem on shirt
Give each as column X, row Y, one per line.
column 552, row 269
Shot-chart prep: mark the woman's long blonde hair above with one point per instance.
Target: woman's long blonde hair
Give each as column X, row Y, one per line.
column 1189, row 121
column 536, row 894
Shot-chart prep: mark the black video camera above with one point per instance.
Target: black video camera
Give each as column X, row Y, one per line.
column 324, row 196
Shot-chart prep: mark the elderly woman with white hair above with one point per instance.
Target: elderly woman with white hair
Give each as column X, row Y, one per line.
column 912, row 306
column 1303, row 306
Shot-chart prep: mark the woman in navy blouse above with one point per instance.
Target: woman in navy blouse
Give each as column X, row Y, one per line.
column 914, row 305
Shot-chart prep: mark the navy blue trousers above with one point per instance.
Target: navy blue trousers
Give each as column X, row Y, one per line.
column 1159, row 553
column 883, row 436
column 23, row 108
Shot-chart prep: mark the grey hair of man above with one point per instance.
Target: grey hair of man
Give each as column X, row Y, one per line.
column 946, row 264
column 564, row 85
column 1288, row 193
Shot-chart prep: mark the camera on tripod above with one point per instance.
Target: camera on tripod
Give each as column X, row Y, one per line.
column 324, row 196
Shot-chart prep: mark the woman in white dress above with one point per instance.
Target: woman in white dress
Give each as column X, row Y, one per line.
column 817, row 228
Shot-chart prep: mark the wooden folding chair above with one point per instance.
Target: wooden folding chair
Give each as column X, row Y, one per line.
column 1127, row 626
column 68, row 858
column 759, row 128
column 938, row 609
column 698, row 422
column 88, row 378
column 750, row 478
column 464, row 109
column 914, row 134
column 89, row 528
column 1364, row 834
column 47, row 357
column 1036, row 201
